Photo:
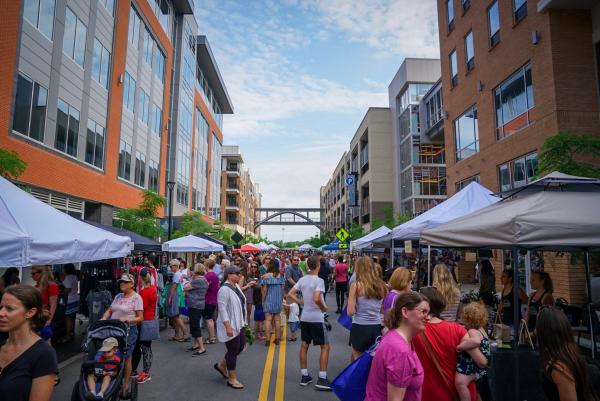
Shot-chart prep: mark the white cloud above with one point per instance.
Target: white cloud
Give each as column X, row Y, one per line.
column 393, row 27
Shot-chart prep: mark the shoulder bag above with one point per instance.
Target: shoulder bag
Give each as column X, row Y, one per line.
column 351, row 383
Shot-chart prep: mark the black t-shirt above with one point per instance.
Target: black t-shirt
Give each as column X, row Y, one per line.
column 16, row 377
column 324, row 271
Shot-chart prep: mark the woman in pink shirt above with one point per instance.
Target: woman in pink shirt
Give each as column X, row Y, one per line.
column 341, row 283
column 396, row 372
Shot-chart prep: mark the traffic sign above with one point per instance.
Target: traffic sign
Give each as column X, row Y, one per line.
column 342, row 235
column 342, row 245
column 350, row 180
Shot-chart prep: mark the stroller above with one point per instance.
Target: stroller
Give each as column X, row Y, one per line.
column 97, row 333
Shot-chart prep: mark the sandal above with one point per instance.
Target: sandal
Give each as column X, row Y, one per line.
column 235, row 386
column 210, row 341
column 292, row 339
column 183, row 339
column 175, row 338
column 218, row 369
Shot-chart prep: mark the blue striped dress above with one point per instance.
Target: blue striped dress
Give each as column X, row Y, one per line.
column 274, row 296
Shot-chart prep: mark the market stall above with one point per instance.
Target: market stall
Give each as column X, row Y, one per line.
column 191, row 243
column 366, row 241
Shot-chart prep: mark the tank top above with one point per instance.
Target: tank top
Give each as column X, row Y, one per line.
column 368, row 311
column 507, row 308
column 534, row 308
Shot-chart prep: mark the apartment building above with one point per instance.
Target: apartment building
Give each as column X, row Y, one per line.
column 369, row 160
column 514, row 72
column 87, row 95
column 415, row 100
column 240, row 195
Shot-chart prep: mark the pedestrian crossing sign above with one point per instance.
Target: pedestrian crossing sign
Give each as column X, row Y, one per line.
column 342, row 235
column 342, row 245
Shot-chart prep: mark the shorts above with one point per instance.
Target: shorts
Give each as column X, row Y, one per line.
column 314, row 332
column 294, row 326
column 131, row 340
column 72, row 308
column 259, row 315
column 209, row 312
column 363, row 336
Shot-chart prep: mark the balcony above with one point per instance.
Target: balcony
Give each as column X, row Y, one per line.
column 544, row 5
column 232, row 206
column 233, row 170
column 232, row 189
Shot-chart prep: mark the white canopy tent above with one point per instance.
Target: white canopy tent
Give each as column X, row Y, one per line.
column 262, row 246
column 274, row 247
column 306, row 247
column 191, row 243
column 35, row 233
column 365, row 241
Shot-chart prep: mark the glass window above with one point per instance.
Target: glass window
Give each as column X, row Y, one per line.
column 453, row 68
column 67, row 128
column 143, row 105
column 159, row 64
column 73, row 132
column 469, row 50
column 129, row 92
column 94, row 147
column 156, row 119
column 38, row 112
column 22, row 109
column 74, row 39
column 466, row 134
column 519, row 9
column 100, row 64
column 494, row 24
column 148, row 44
column 124, row 160
column 40, row 13
column 109, row 5
column 517, row 173
column 80, row 34
column 505, row 183
column 463, row 183
column 153, row 176
column 134, row 27
column 513, row 98
column 450, row 10
column 140, row 169
column 531, row 163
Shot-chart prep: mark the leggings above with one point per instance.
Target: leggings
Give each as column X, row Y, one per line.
column 234, row 347
column 142, row 348
column 340, row 293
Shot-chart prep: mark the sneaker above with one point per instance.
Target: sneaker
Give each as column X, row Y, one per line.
column 143, row 378
column 306, row 380
column 323, row 385
column 134, row 373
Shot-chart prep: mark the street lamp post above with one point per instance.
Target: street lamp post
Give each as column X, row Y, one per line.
column 170, row 186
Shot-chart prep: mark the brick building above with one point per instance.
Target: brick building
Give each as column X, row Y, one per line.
column 102, row 100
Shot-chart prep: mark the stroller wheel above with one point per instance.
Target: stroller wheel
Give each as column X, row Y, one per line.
column 133, row 388
column 75, row 393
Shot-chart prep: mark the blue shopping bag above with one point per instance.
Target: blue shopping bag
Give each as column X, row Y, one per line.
column 351, row 383
column 345, row 320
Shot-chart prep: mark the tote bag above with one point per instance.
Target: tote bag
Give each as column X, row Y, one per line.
column 351, row 383
column 149, row 330
column 345, row 320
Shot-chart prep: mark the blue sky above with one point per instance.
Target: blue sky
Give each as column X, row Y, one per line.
column 301, row 75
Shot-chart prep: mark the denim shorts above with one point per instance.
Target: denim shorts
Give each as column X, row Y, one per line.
column 294, row 326
column 131, row 340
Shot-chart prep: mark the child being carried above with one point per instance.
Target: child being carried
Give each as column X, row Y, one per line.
column 108, row 353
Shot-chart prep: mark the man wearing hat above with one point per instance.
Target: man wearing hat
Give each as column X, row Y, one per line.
column 108, row 352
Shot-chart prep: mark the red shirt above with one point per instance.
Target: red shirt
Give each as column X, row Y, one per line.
column 443, row 337
column 149, row 298
column 341, row 272
column 50, row 291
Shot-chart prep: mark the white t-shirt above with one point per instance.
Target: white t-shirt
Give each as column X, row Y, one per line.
column 70, row 282
column 177, row 276
column 308, row 285
column 125, row 308
column 294, row 313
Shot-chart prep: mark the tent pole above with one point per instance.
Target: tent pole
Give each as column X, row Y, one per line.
column 516, row 322
column 429, row 265
column 586, row 263
column 393, row 256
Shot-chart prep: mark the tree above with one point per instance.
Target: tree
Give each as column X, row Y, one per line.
column 11, row 165
column 390, row 220
column 569, row 153
column 356, row 231
column 192, row 223
column 142, row 220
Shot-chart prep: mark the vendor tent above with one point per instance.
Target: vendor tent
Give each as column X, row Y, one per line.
column 35, row 233
column 212, row 239
column 306, row 247
column 140, row 243
column 191, row 243
column 249, row 248
column 273, row 247
column 332, row 246
column 262, row 246
column 366, row 240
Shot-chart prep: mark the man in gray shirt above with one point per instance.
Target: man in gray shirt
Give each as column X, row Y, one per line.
column 292, row 273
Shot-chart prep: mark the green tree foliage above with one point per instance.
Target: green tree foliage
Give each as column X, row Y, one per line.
column 569, row 153
column 11, row 165
column 192, row 223
column 144, row 218
column 390, row 220
column 356, row 231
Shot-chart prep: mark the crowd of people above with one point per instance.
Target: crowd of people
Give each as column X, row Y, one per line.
column 234, row 298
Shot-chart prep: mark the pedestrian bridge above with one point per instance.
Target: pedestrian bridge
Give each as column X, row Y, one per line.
column 288, row 217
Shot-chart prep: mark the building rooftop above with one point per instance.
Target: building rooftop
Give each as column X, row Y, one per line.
column 208, row 64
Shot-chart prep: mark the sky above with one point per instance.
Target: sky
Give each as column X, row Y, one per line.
column 301, row 76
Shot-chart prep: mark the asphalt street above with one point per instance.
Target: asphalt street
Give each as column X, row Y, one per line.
column 268, row 373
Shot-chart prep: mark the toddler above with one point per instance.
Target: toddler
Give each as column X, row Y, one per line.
column 294, row 320
column 475, row 318
column 108, row 352
column 259, row 315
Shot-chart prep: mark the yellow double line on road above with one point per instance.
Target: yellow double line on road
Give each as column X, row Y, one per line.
column 263, row 395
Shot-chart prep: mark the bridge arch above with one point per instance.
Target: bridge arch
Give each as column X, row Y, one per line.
column 274, row 217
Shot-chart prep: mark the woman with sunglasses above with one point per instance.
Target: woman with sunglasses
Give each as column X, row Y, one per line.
column 252, row 276
column 396, row 372
column 44, row 281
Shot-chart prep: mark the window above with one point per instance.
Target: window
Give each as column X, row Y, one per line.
column 466, row 134
column 153, row 176
column 517, row 173
column 148, row 45
column 434, row 109
column 450, row 14
column 182, row 174
column 134, row 27
column 140, row 169
column 466, row 4
column 463, row 183
column 128, row 92
column 453, row 68
column 40, row 13
column 514, row 103
column 519, row 9
column 74, row 40
column 155, row 119
column 29, row 117
column 100, row 64
column 469, row 51
column 109, row 5
column 124, row 160
column 429, row 181
column 159, row 64
column 143, row 105
column 94, row 146
column 494, row 24
column 67, row 128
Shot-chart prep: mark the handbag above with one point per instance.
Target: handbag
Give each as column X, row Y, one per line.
column 500, row 331
column 450, row 387
column 351, row 383
column 345, row 320
column 525, row 335
column 149, row 330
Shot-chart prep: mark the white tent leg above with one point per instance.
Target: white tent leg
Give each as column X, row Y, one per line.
column 429, row 265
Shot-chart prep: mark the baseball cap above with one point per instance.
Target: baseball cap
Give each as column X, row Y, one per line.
column 108, row 344
column 144, row 272
column 174, row 262
column 126, row 277
column 230, row 270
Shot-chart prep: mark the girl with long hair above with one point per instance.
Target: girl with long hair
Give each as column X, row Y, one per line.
column 565, row 376
column 44, row 281
column 149, row 329
column 365, row 304
column 400, row 282
column 445, row 284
